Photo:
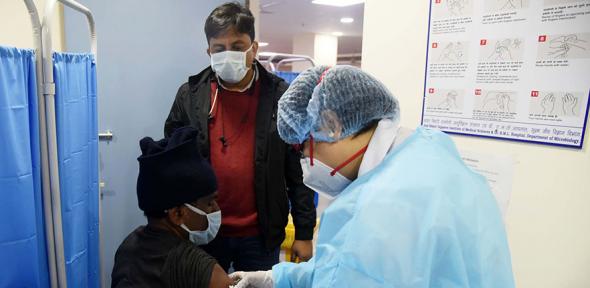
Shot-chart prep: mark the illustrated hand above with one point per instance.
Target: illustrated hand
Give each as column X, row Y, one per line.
column 452, row 100
column 548, row 103
column 504, row 102
column 490, row 100
column 569, row 104
column 258, row 279
column 302, row 249
column 501, row 102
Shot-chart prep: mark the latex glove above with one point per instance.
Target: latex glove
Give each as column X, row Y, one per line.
column 258, row 279
column 302, row 249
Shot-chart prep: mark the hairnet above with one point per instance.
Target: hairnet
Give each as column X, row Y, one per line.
column 332, row 104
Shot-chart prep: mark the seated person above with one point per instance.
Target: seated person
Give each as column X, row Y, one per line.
column 177, row 191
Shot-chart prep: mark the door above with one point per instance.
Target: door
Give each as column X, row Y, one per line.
column 146, row 50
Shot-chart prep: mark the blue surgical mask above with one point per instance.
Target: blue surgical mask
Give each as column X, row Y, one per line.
column 230, row 66
column 206, row 236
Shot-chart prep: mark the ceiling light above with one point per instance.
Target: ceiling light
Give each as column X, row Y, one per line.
column 346, row 20
column 262, row 44
column 338, row 3
column 337, row 33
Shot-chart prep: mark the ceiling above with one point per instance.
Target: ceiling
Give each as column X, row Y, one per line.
column 280, row 20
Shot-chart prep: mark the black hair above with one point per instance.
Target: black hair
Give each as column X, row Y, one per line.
column 228, row 15
column 372, row 124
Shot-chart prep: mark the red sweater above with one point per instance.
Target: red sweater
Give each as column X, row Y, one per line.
column 234, row 121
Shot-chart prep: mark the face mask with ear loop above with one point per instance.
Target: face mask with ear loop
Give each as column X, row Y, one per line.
column 206, row 236
column 324, row 179
column 230, row 66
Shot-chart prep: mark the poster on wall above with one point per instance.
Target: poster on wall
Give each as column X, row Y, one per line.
column 509, row 69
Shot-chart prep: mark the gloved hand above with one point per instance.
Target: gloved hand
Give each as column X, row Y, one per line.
column 258, row 279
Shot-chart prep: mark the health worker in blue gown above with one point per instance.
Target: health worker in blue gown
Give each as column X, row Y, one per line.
column 407, row 212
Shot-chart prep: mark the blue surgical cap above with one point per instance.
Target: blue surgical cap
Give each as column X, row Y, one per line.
column 331, row 104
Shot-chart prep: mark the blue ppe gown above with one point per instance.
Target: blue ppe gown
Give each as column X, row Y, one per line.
column 421, row 218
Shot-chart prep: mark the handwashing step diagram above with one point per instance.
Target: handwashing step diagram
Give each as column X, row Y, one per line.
column 452, row 8
column 498, row 101
column 448, row 101
column 505, row 49
column 509, row 69
column 564, row 46
column 505, row 5
column 555, row 105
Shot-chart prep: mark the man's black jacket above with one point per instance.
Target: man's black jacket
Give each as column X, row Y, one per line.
column 278, row 176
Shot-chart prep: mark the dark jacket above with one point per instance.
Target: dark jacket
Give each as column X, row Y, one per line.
column 152, row 257
column 278, row 176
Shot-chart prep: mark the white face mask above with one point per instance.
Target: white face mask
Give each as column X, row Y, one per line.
column 318, row 177
column 206, row 236
column 230, row 66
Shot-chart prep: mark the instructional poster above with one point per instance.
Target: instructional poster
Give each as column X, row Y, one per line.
column 509, row 69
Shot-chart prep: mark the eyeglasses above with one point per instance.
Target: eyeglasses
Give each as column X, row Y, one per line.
column 298, row 148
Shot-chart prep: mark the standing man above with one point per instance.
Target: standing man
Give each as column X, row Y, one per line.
column 233, row 103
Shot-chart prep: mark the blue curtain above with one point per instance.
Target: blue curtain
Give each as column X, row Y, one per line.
column 77, row 133
column 288, row 76
column 23, row 256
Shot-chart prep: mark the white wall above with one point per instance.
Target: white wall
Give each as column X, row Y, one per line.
column 321, row 47
column 254, row 6
column 548, row 220
column 303, row 44
column 325, row 49
column 15, row 24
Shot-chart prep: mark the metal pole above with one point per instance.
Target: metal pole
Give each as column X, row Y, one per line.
column 91, row 25
column 48, row 216
column 49, row 94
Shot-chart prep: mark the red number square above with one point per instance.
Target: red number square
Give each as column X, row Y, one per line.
column 483, row 42
column 437, row 1
column 542, row 38
column 434, row 45
column 477, row 91
column 430, row 90
column 534, row 93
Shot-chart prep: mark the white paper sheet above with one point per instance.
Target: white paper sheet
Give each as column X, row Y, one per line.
column 497, row 169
